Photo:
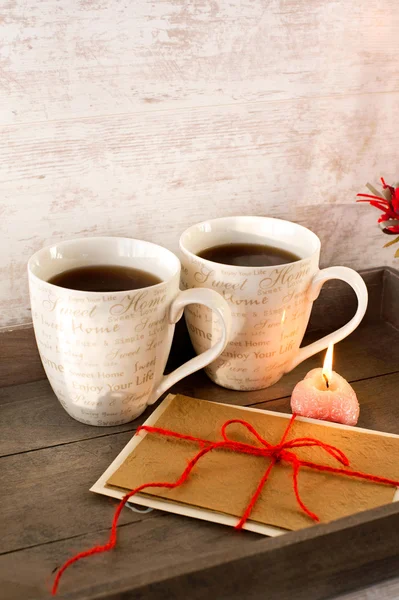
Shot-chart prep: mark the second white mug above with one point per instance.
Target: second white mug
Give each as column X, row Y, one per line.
column 270, row 306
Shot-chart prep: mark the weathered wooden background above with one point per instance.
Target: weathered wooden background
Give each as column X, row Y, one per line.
column 141, row 117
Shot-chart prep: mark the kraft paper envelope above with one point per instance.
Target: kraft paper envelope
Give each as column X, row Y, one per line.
column 222, row 483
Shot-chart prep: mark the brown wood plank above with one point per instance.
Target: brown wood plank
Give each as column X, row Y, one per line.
column 309, row 565
column 45, row 494
column 337, row 302
column 156, row 543
column 31, row 418
column 172, row 557
column 390, row 297
column 19, row 358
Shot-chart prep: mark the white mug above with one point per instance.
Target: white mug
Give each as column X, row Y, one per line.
column 105, row 353
column 270, row 306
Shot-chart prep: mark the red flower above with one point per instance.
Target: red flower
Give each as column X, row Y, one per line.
column 389, row 208
column 395, row 199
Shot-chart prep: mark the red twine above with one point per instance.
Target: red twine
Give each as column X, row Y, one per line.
column 280, row 452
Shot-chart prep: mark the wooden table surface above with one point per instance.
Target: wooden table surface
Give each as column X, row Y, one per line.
column 49, row 461
column 385, row 590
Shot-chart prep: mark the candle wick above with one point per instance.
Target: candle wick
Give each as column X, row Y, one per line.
column 326, row 380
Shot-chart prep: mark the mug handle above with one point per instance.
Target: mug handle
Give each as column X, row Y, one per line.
column 216, row 303
column 356, row 282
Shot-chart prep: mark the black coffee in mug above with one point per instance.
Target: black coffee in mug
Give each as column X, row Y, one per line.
column 248, row 255
column 104, row 278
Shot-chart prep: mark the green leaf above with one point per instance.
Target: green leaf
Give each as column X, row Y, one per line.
column 392, row 242
column 387, row 194
column 397, row 253
column 374, row 191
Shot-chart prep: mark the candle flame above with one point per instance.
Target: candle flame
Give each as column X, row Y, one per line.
column 327, row 366
column 283, row 318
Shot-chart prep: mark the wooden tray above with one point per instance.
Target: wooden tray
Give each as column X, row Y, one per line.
column 49, row 461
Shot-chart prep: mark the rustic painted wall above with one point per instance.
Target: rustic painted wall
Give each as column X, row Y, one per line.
column 141, row 117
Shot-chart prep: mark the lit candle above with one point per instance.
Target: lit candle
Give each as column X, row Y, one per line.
column 324, row 394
